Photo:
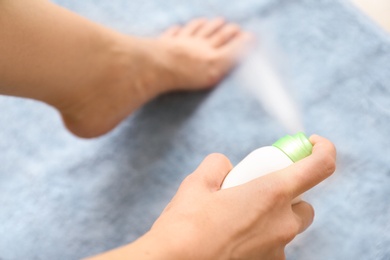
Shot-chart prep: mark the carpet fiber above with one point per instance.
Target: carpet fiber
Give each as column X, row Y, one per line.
column 66, row 198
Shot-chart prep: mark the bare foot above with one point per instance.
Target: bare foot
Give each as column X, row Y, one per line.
column 195, row 56
column 203, row 52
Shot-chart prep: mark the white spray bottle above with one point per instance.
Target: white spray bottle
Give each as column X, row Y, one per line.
column 264, row 160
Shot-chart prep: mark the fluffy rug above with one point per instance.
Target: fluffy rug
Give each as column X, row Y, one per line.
column 66, row 198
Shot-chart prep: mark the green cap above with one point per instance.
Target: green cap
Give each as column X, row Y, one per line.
column 296, row 147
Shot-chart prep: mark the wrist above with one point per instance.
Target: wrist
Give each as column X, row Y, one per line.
column 154, row 245
column 148, row 247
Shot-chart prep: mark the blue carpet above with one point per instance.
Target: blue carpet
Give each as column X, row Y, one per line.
column 66, row 198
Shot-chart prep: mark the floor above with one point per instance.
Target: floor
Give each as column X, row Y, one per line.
column 378, row 10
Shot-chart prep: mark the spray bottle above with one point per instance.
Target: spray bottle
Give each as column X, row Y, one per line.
column 264, row 160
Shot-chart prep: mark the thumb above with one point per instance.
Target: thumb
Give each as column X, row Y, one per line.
column 212, row 171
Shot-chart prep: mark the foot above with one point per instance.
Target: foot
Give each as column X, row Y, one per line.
column 203, row 52
column 193, row 57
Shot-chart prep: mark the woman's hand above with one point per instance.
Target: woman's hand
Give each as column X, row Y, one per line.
column 255, row 220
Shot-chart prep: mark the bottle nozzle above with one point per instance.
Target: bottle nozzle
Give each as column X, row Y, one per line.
column 296, row 147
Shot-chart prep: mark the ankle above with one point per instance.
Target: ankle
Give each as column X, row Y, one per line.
column 128, row 80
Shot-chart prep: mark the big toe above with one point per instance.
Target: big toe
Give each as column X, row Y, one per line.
column 237, row 48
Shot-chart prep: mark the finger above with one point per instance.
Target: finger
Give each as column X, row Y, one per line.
column 224, row 35
column 210, row 27
column 212, row 171
column 191, row 28
column 310, row 171
column 171, row 32
column 304, row 213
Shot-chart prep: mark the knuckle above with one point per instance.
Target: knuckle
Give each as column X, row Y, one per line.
column 189, row 180
column 328, row 164
column 218, row 157
column 272, row 195
column 277, row 191
column 280, row 196
column 289, row 232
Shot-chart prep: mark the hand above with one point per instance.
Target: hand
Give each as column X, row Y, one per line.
column 255, row 220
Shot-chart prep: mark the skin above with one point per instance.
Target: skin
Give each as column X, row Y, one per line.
column 251, row 221
column 95, row 77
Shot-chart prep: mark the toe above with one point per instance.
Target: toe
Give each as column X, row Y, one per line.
column 242, row 44
column 191, row 28
column 224, row 35
column 172, row 32
column 210, row 27
column 237, row 49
